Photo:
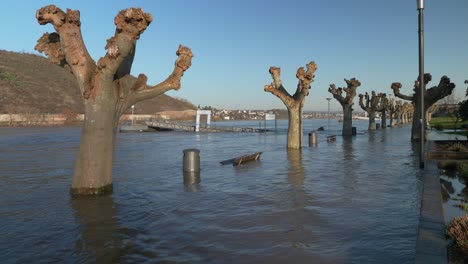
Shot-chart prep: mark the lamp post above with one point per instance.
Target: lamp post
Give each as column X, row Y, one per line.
column 328, row 122
column 422, row 88
column 133, row 117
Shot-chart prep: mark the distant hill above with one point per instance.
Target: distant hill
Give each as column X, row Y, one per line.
column 32, row 84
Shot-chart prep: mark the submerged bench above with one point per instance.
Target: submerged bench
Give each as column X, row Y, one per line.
column 243, row 159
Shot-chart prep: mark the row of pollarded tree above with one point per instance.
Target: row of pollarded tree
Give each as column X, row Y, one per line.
column 372, row 103
column 389, row 108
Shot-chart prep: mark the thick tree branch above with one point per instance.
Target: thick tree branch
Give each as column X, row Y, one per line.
column 350, row 90
column 337, row 93
column 396, row 91
column 68, row 27
column 391, row 106
column 130, row 24
column 436, row 93
column 361, row 101
column 305, row 79
column 372, row 103
column 49, row 44
column 382, row 104
column 141, row 91
column 276, row 87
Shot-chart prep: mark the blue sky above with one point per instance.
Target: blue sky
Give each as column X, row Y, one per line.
column 235, row 43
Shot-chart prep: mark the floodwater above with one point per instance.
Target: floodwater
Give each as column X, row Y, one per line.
column 348, row 201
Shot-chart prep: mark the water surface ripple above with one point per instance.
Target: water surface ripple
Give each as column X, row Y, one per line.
column 350, row 201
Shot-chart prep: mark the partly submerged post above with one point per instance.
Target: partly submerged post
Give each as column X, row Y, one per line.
column 312, row 139
column 191, row 166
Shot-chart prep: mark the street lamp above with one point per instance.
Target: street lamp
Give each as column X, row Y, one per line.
column 328, row 123
column 133, row 117
column 422, row 88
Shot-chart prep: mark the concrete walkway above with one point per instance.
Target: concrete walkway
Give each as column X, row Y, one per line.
column 431, row 245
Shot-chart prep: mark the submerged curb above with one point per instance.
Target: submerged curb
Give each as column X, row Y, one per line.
column 431, row 243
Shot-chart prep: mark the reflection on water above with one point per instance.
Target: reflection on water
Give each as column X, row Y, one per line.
column 454, row 194
column 348, row 149
column 296, row 169
column 355, row 200
column 100, row 241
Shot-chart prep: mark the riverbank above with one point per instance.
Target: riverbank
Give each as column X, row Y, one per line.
column 46, row 120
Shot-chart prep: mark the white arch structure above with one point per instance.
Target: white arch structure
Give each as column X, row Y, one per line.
column 208, row 119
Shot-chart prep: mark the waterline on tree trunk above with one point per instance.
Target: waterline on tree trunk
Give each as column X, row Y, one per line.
column 104, row 190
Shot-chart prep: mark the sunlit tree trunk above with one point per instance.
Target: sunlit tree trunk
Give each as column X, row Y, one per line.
column 295, row 128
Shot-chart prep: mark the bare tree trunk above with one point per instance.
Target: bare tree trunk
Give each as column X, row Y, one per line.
column 372, row 125
column 347, row 120
column 94, row 162
column 295, row 128
column 383, row 119
column 415, row 130
column 399, row 119
column 391, row 117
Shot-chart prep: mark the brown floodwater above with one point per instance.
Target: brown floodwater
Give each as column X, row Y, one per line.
column 349, row 201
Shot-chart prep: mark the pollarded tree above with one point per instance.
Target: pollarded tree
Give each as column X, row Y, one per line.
column 346, row 102
column 107, row 87
column 294, row 103
column 371, row 106
column 431, row 96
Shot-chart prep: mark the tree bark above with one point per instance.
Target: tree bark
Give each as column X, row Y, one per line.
column 294, row 128
column 372, row 125
column 94, row 162
column 347, row 120
column 383, row 120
